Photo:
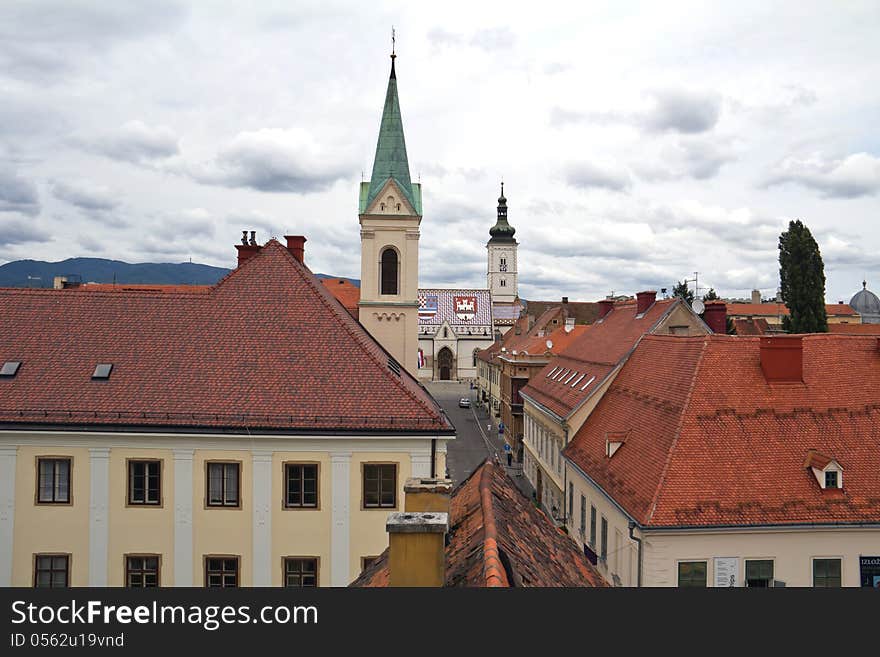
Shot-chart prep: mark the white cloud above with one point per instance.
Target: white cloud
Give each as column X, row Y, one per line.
column 849, row 177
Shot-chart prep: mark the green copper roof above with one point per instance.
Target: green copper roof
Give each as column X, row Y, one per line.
column 391, row 160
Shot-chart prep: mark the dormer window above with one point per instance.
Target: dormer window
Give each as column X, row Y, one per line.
column 614, row 441
column 831, row 479
column 828, row 473
column 10, row 368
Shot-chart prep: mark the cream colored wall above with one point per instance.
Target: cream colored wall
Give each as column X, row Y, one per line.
column 622, row 558
column 681, row 317
column 139, row 529
column 218, row 530
column 306, row 529
column 368, row 535
column 50, row 528
column 791, row 550
column 396, row 329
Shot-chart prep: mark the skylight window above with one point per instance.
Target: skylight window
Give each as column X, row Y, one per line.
column 561, row 374
column 578, row 380
column 552, row 372
column 394, row 366
column 584, row 387
column 10, row 368
column 573, row 374
column 102, row 371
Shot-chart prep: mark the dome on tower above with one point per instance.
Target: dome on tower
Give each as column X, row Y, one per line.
column 502, row 231
column 866, row 304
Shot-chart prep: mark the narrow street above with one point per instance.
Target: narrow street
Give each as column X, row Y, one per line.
column 476, row 434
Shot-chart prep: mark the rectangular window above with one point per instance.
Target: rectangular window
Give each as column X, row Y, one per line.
column 223, row 484
column 144, row 482
column 302, row 485
column 593, row 526
column 142, row 571
column 831, row 479
column 51, row 571
column 583, row 515
column 380, row 485
column 604, row 549
column 570, row 501
column 759, row 573
column 221, row 572
column 53, row 481
column 826, row 573
column 300, row 573
column 366, row 562
column 692, row 574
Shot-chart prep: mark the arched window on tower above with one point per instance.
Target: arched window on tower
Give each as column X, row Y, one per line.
column 388, row 271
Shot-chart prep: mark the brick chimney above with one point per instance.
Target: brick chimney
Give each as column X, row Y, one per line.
column 716, row 316
column 426, row 494
column 247, row 249
column 756, row 296
column 644, row 300
column 782, row 358
column 605, row 306
column 296, row 244
column 417, row 548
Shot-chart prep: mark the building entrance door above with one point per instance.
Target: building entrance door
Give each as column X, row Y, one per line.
column 444, row 364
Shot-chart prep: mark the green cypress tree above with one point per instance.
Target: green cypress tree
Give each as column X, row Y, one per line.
column 802, row 279
column 681, row 290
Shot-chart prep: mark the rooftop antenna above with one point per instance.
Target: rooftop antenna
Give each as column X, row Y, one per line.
column 393, row 42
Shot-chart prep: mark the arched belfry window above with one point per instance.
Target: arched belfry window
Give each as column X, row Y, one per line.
column 388, row 267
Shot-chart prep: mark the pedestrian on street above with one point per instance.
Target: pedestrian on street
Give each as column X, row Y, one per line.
column 509, row 453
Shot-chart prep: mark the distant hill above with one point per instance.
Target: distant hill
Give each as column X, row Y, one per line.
column 37, row 273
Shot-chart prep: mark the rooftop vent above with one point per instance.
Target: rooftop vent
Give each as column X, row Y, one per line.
column 394, row 366
column 102, row 371
column 10, row 368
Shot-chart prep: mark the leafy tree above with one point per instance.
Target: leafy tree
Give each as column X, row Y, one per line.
column 802, row 279
column 711, row 295
column 681, row 290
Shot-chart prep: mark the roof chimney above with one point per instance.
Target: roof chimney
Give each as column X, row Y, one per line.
column 756, row 296
column 782, row 359
column 644, row 300
column 564, row 300
column 296, row 244
column 417, row 548
column 424, row 494
column 247, row 250
column 605, row 307
column 715, row 316
column 569, row 324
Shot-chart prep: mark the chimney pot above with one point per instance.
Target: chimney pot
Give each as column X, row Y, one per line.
column 246, row 250
column 716, row 316
column 564, row 299
column 253, row 241
column 782, row 358
column 296, row 244
column 644, row 300
column 605, row 306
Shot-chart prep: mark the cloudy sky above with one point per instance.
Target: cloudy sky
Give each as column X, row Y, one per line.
column 638, row 143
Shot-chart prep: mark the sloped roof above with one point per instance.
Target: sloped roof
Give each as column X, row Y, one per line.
column 584, row 312
column 711, row 443
column 269, row 348
column 780, row 309
column 578, row 370
column 505, row 313
column 751, row 326
column 497, row 537
column 346, row 293
column 446, row 310
column 140, row 287
column 855, row 329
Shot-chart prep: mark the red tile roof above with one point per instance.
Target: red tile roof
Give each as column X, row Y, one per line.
column 497, row 537
column 751, row 326
column 141, row 287
column 560, row 386
column 346, row 293
column 268, row 348
column 855, row 329
column 780, row 309
column 713, row 443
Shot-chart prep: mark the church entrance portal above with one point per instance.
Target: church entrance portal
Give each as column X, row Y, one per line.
column 444, row 364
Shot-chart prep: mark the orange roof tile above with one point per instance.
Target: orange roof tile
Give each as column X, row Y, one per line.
column 346, row 292
column 579, row 369
column 497, row 537
column 713, row 443
column 780, row 309
column 268, row 349
column 141, row 287
column 855, row 329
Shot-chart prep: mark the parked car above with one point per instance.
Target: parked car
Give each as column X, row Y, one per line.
column 464, row 402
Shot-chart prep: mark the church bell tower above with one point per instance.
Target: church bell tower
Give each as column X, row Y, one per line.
column 390, row 211
column 502, row 257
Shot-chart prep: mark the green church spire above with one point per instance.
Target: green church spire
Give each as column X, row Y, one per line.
column 391, row 160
